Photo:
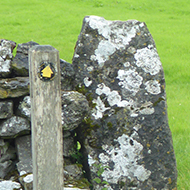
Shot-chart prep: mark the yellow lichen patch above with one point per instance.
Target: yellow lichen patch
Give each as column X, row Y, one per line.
column 164, row 113
column 175, row 188
column 148, row 145
column 168, row 152
column 169, row 180
column 138, row 33
column 3, row 93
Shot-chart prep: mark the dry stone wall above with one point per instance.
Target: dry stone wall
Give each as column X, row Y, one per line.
column 114, row 112
column 15, row 117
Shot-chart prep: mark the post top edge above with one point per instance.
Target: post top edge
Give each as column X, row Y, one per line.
column 42, row 48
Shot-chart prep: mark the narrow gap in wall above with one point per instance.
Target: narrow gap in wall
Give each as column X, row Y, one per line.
column 84, row 153
column 16, row 102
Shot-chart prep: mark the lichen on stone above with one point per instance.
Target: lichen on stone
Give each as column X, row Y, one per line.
column 148, row 60
column 125, row 158
column 130, row 80
column 153, row 87
column 116, row 36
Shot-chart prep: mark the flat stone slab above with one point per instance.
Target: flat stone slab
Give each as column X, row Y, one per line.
column 14, row 87
column 127, row 140
column 13, row 127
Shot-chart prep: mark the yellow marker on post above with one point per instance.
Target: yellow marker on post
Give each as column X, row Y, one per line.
column 47, row 72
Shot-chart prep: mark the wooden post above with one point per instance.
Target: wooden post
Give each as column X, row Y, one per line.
column 47, row 141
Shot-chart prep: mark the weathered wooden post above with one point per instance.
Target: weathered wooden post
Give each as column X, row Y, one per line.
column 46, row 118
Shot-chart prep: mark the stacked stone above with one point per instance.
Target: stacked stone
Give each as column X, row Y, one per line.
column 15, row 117
column 12, row 88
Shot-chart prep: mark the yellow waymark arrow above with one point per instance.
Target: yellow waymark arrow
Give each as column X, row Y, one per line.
column 46, row 72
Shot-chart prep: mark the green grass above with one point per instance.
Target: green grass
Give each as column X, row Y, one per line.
column 58, row 23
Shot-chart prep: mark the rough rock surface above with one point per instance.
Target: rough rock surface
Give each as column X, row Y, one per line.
column 6, row 109
column 20, row 64
column 68, row 146
column 6, row 49
column 7, row 154
column 9, row 185
column 24, row 108
column 128, row 143
column 24, row 153
column 14, row 127
column 67, row 75
column 14, row 87
column 74, row 108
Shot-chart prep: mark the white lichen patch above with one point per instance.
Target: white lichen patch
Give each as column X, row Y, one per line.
column 100, row 108
column 76, row 56
column 130, row 80
column 102, row 89
column 5, row 66
column 9, row 185
column 87, row 81
column 28, row 178
column 147, row 111
column 90, row 68
column 104, row 50
column 141, row 25
column 25, row 106
column 91, row 161
column 114, row 98
column 125, row 158
column 116, row 36
column 147, row 108
column 153, row 87
column 148, row 60
column 126, row 64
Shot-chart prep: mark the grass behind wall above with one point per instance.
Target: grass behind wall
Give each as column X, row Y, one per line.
column 58, row 23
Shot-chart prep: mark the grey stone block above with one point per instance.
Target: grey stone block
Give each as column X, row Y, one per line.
column 24, row 152
column 14, row 126
column 6, row 109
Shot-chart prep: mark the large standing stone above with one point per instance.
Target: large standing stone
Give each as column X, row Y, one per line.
column 127, row 139
column 14, row 127
column 14, row 87
column 6, row 49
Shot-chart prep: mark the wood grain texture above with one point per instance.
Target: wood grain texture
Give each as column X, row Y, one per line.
column 47, row 141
